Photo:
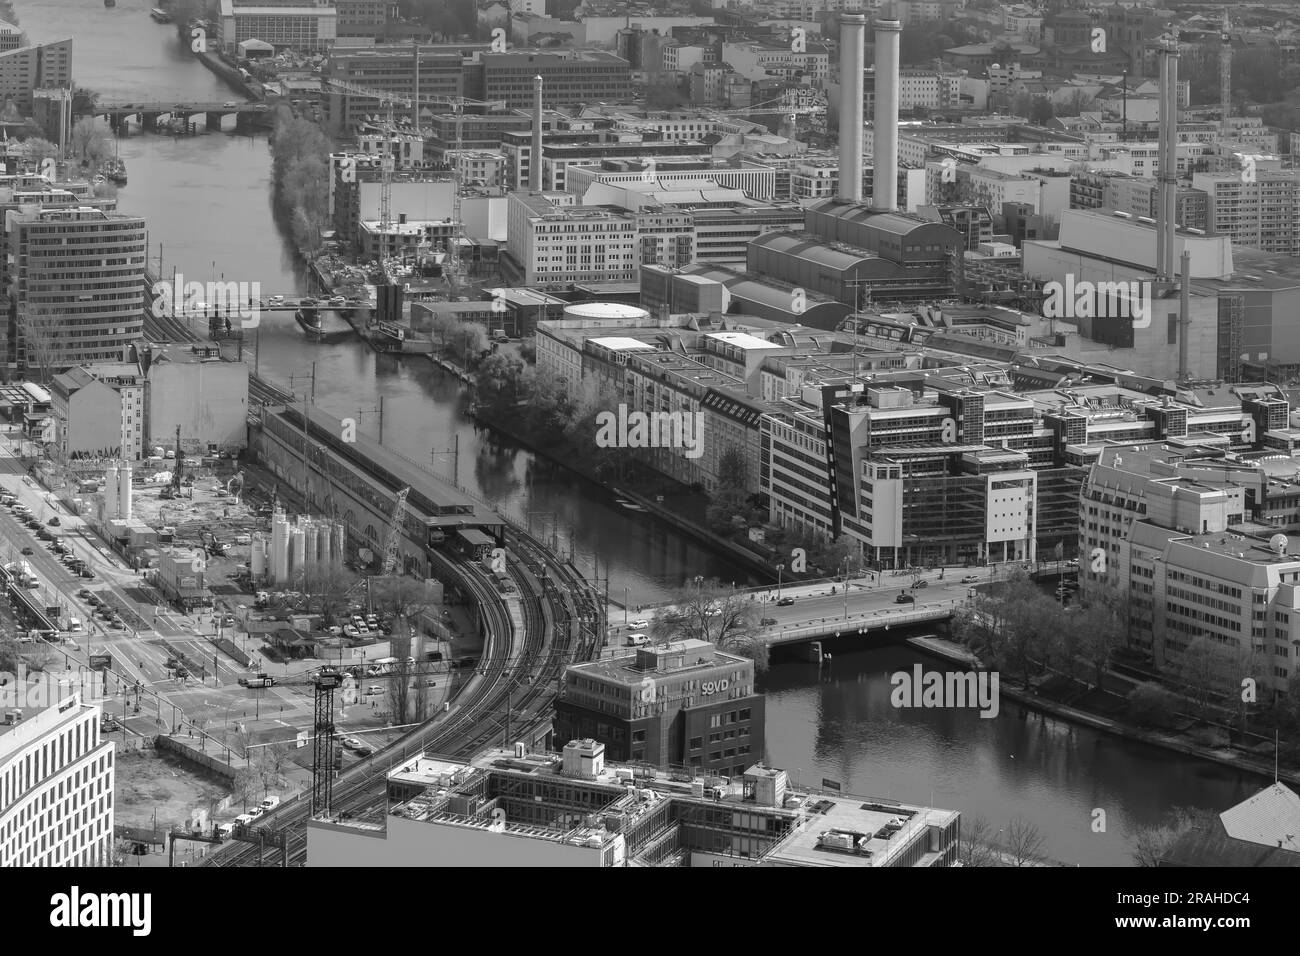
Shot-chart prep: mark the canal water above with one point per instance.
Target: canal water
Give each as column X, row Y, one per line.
column 207, row 200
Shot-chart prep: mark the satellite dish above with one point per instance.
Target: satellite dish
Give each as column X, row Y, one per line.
column 1278, row 543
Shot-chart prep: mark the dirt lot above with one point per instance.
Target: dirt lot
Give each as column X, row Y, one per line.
column 149, row 782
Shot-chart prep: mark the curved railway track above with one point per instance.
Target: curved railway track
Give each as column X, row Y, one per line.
column 549, row 612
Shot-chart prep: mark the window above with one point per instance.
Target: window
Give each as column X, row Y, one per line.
column 638, row 736
column 696, row 743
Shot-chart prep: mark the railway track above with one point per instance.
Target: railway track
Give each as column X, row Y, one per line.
column 364, row 784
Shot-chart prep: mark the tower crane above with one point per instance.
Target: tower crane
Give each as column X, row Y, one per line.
column 1225, row 73
column 394, row 532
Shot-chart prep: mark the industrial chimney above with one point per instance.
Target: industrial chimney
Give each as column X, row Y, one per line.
column 535, row 163
column 1184, row 316
column 1167, row 174
column 884, row 154
column 853, row 57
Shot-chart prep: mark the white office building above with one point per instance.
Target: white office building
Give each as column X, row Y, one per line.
column 56, row 787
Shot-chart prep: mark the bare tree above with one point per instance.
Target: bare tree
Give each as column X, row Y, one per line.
column 399, row 691
column 271, row 763
column 708, row 611
column 328, row 590
column 89, row 143
column 37, row 148
column 1152, row 844
column 1024, row 844
column 244, row 786
column 976, row 845
column 42, row 336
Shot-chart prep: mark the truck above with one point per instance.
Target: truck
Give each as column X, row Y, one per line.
column 260, row 680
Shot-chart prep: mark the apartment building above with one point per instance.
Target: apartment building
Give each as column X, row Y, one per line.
column 682, row 704
column 26, row 69
column 78, row 286
column 56, row 786
column 477, row 167
column 308, row 28
column 99, row 411
column 1261, row 211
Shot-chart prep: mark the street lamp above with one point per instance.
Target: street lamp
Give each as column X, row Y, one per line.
column 779, row 569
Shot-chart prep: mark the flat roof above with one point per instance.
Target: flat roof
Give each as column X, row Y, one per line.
column 621, row 343
column 743, row 340
column 857, row 820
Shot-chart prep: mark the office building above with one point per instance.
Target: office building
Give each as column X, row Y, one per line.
column 550, row 245
column 512, row 808
column 78, row 286
column 682, row 704
column 56, row 786
column 306, row 28
column 363, row 18
column 26, row 69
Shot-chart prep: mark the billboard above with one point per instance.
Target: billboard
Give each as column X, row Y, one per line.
column 101, row 662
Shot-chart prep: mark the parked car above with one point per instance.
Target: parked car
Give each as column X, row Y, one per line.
column 921, row 584
column 87, row 573
column 53, row 522
column 768, row 622
column 28, row 551
column 639, row 625
column 351, row 743
column 971, row 579
column 374, row 689
column 904, row 599
column 785, row 602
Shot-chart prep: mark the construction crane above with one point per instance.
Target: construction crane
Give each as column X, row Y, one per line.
column 394, row 533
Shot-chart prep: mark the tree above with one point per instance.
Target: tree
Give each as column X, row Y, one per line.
column 726, row 505
column 1100, row 630
column 244, row 785
column 42, row 333
column 468, row 343
column 407, row 601
column 1205, row 671
column 89, row 143
column 707, row 611
column 271, row 762
column 1152, row 843
column 975, row 847
column 733, row 471
column 10, row 655
column 327, row 591
column 443, row 327
column 1077, row 102
column 399, row 690
column 497, row 380
column 1150, row 705
column 83, row 100
column 1024, row 845
column 37, row 149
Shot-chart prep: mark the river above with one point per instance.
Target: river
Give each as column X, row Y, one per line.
column 207, row 200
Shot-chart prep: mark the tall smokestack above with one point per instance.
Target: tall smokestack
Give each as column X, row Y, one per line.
column 1184, row 315
column 853, row 61
column 884, row 154
column 535, row 164
column 1167, row 174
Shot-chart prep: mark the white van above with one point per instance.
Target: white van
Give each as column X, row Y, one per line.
column 638, row 639
column 226, row 830
column 244, row 819
column 74, row 625
column 270, row 803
